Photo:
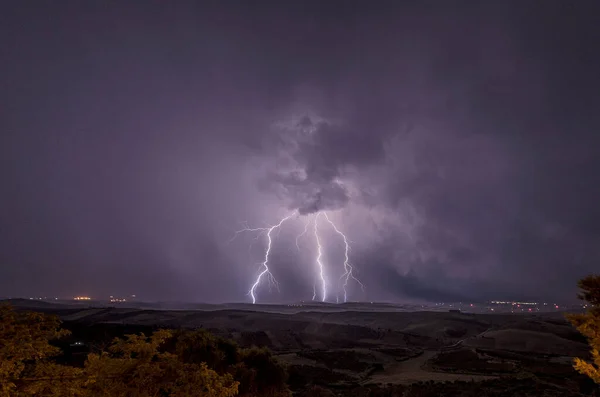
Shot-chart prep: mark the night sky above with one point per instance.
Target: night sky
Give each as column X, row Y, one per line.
column 456, row 143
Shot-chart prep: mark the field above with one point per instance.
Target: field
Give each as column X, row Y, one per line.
column 353, row 351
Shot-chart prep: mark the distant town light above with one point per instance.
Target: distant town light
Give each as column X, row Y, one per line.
column 117, row 300
column 514, row 303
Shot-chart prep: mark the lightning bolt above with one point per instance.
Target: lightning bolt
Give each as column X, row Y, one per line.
column 247, row 228
column 306, row 225
column 261, row 230
column 347, row 266
column 303, row 233
column 320, row 278
column 319, row 263
column 265, row 264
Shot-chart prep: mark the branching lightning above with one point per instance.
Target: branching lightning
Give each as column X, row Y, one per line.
column 347, row 266
column 303, row 233
column 320, row 276
column 319, row 263
column 265, row 264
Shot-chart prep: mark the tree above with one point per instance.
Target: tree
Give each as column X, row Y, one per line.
column 136, row 367
column 259, row 374
column 201, row 346
column 589, row 326
column 165, row 364
column 26, row 367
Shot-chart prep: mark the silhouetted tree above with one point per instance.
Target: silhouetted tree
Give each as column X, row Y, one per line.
column 201, row 346
column 132, row 367
column 26, row 366
column 259, row 374
column 589, row 325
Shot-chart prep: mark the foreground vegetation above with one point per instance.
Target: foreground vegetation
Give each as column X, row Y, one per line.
column 589, row 326
column 163, row 363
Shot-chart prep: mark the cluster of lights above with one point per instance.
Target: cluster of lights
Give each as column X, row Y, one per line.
column 40, row 299
column 451, row 304
column 515, row 303
column 518, row 304
column 80, row 298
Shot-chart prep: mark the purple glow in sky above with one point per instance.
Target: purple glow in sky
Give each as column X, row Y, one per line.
column 455, row 144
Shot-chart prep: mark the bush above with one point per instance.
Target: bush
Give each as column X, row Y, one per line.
column 589, row 326
column 163, row 363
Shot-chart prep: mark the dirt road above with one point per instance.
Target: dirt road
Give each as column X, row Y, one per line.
column 411, row 371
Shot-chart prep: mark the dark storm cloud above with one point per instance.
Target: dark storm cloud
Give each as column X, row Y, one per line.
column 309, row 196
column 510, row 185
column 319, row 151
column 133, row 136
